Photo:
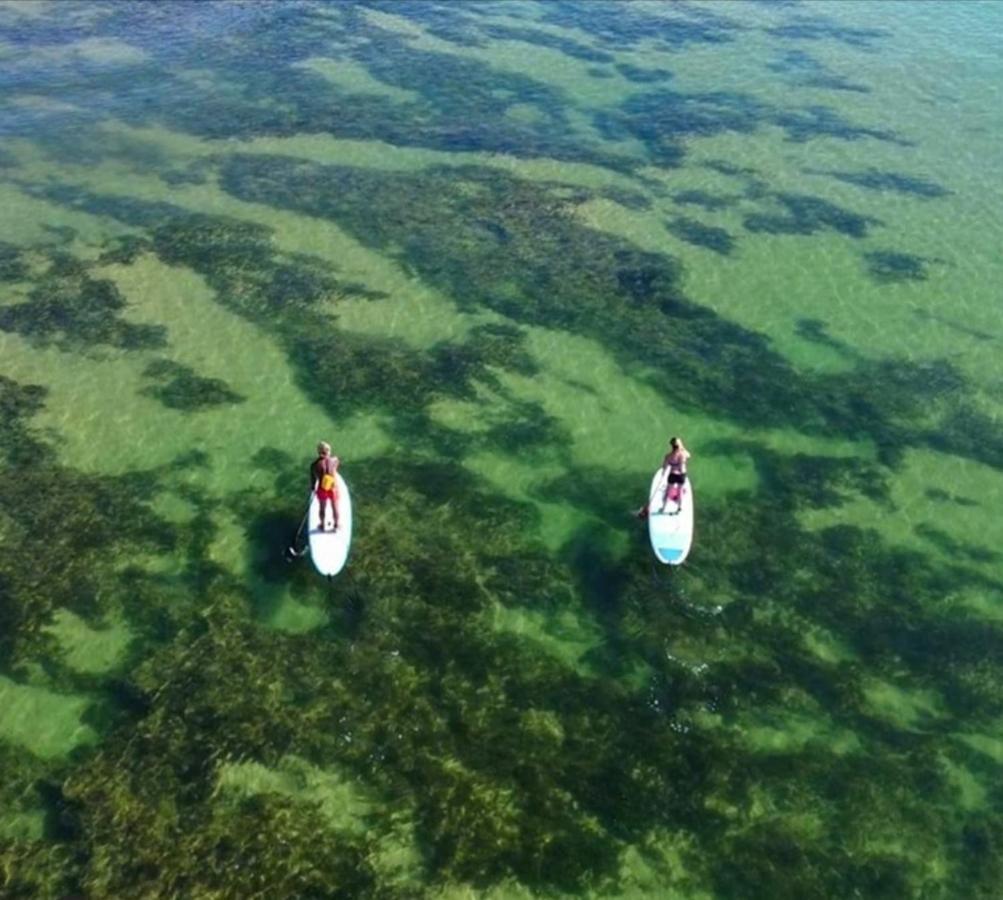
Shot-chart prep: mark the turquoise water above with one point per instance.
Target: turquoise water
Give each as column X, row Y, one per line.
column 497, row 253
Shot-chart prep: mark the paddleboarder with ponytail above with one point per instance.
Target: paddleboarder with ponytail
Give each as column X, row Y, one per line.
column 675, row 462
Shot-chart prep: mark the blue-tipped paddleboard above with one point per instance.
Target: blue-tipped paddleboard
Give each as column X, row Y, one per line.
column 329, row 549
column 671, row 531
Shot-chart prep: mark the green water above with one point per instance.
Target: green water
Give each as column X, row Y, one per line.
column 497, row 253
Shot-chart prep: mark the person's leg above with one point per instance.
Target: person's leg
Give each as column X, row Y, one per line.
column 672, row 492
column 334, row 510
column 680, row 487
column 670, row 488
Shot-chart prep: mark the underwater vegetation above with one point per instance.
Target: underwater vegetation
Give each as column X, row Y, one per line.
column 453, row 101
column 816, row 331
column 806, row 214
column 806, row 71
column 67, row 308
column 898, row 182
column 618, row 27
column 12, row 267
column 819, row 28
column 81, row 525
column 796, row 721
column 642, row 75
column 539, row 266
column 956, row 326
column 814, row 121
column 540, row 38
column 178, row 387
column 19, row 402
column 663, row 120
column 887, row 266
column 493, row 761
column 697, row 233
column 948, row 544
column 342, row 370
column 704, row 199
column 814, row 715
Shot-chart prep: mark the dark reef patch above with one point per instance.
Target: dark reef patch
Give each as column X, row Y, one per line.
column 366, row 373
column 813, row 122
column 642, row 75
column 819, row 28
column 887, row 266
column 663, row 120
column 728, row 168
column 67, row 308
column 955, row 548
column 618, row 27
column 805, row 214
column 879, row 180
column 567, row 46
column 941, row 495
column 628, row 198
column 18, row 403
column 815, row 331
column 595, row 491
column 968, row 431
column 704, row 199
column 178, row 387
column 806, row 71
column 82, row 525
column 700, row 235
column 454, row 24
column 959, row 327
column 12, row 266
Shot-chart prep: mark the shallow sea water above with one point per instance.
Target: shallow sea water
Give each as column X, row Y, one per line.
column 497, row 253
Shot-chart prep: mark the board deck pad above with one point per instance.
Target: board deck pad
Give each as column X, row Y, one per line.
column 329, row 549
column 671, row 531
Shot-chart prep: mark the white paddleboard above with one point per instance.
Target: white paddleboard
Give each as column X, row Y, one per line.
column 329, row 549
column 671, row 531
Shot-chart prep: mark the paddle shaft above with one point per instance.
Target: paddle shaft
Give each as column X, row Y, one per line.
column 303, row 521
column 658, row 485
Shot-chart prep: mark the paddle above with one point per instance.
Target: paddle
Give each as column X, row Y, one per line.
column 291, row 551
column 643, row 512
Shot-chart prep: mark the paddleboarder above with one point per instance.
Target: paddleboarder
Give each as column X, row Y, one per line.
column 322, row 473
column 675, row 461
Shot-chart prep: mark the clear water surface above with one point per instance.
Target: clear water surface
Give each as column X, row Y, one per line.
column 497, row 253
